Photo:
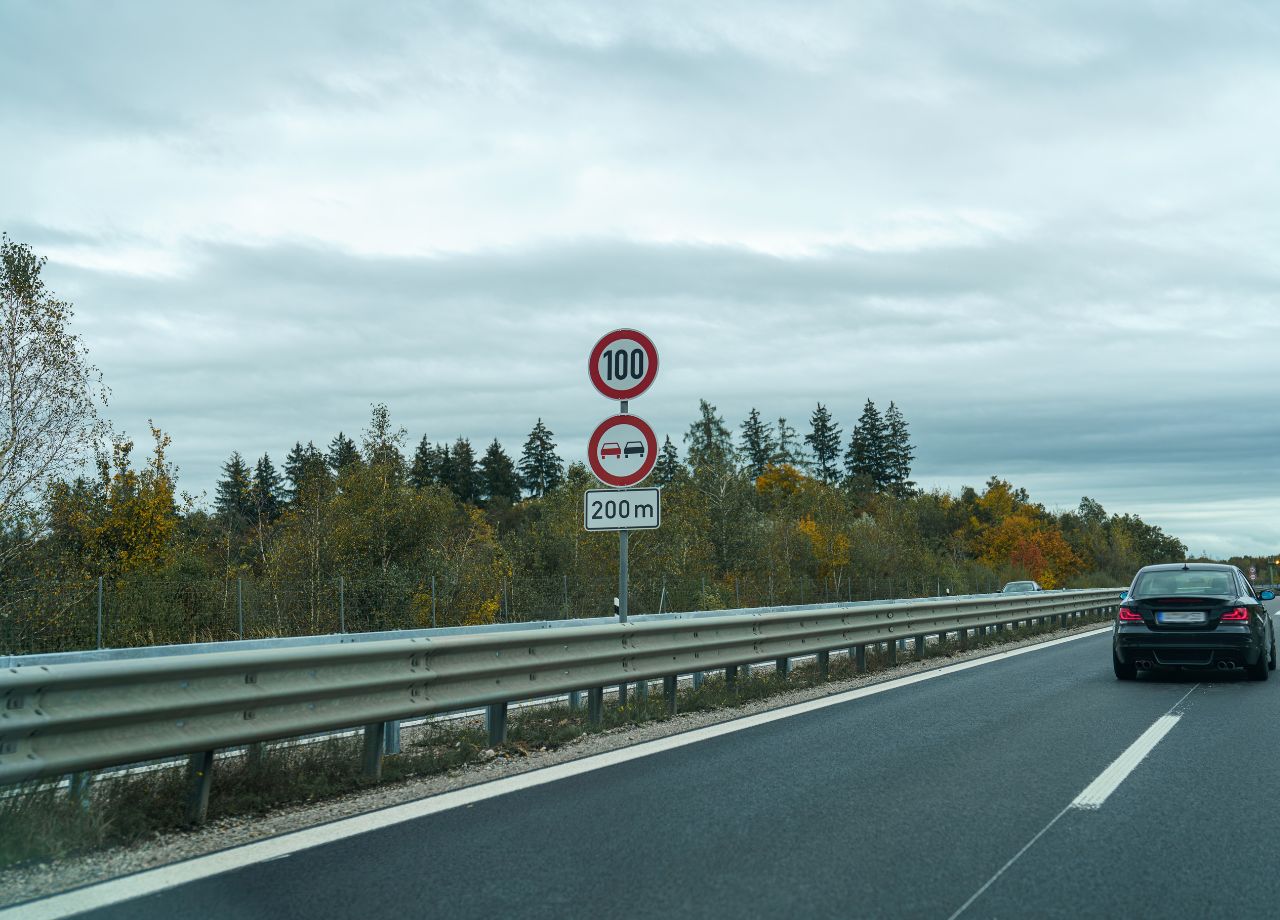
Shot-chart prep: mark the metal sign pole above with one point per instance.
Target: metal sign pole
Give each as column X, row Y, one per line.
column 622, row 558
column 622, row 576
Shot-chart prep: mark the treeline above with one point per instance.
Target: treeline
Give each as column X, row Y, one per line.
column 759, row 506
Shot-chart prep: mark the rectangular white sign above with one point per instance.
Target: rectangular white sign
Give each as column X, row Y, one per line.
column 622, row 509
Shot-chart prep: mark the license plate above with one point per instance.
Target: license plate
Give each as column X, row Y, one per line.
column 1180, row 616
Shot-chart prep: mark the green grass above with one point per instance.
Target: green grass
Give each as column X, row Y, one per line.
column 43, row 822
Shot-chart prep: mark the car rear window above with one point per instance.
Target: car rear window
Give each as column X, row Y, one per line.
column 1189, row 582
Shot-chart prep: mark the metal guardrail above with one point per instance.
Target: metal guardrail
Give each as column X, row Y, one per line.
column 65, row 718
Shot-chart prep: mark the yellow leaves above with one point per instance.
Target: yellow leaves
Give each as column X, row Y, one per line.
column 1033, row 545
column 830, row 544
column 784, row 479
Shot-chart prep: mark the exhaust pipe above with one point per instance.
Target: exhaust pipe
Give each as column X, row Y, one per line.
column 1226, row 665
column 1143, row 665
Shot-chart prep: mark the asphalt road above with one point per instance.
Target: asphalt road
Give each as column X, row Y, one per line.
column 901, row 804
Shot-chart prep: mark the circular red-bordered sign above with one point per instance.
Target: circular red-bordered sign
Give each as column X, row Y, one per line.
column 622, row 450
column 623, row 364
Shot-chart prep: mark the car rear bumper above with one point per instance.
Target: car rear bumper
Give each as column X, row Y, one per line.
column 1186, row 649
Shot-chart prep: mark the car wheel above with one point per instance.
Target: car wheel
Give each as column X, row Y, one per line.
column 1260, row 669
column 1125, row 670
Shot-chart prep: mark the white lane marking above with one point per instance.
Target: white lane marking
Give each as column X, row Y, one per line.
column 150, row 881
column 1110, row 779
column 1146, row 741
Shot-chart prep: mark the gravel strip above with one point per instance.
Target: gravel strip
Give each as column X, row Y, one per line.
column 28, row 882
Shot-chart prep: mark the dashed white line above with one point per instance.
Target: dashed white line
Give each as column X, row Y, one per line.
column 1094, row 794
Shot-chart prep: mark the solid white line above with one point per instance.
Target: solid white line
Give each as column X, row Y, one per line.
column 1098, row 790
column 151, row 881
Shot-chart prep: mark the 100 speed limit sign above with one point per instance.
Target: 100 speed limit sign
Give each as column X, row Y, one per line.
column 623, row 364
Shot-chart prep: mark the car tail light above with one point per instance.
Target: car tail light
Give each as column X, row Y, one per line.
column 1127, row 614
column 1239, row 614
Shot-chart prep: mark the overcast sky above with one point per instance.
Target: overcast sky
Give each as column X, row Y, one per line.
column 1047, row 231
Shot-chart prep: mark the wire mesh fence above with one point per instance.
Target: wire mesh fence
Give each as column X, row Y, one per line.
column 51, row 615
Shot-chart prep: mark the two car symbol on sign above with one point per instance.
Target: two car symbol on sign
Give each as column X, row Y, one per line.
column 613, row 449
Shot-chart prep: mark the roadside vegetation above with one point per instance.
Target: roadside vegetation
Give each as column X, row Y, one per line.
column 42, row 821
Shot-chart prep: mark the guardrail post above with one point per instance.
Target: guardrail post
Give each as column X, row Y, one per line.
column 860, row 658
column 698, row 678
column 255, row 753
column 595, row 705
column 78, row 787
column 893, row 652
column 669, row 691
column 731, row 675
column 824, row 665
column 622, row 694
column 575, row 700
column 919, row 646
column 371, row 756
column 199, row 779
column 391, row 738
column 495, row 720
column 784, row 667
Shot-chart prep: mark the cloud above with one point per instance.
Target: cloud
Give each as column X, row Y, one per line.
column 1046, row 233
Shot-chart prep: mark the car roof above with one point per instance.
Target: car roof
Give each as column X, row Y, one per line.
column 1193, row 566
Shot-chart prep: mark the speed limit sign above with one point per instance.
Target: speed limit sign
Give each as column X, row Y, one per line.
column 623, row 364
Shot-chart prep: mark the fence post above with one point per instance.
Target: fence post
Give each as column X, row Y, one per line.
column 433, row 602
column 99, row 611
column 240, row 606
column 342, row 610
column 199, row 779
column 737, row 598
column 662, row 598
column 567, row 612
column 771, row 604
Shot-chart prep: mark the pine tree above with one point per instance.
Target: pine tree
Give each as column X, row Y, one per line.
column 787, row 449
column 898, row 453
column 710, row 441
column 498, row 480
column 824, row 439
column 425, row 470
column 444, row 469
column 758, row 448
column 668, row 466
column 232, row 499
column 541, row 468
column 465, row 480
column 304, row 466
column 864, row 461
column 264, row 492
column 342, row 454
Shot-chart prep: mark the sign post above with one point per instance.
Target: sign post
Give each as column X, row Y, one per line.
column 623, row 449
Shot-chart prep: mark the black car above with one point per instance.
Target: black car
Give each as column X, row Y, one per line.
column 1193, row 615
